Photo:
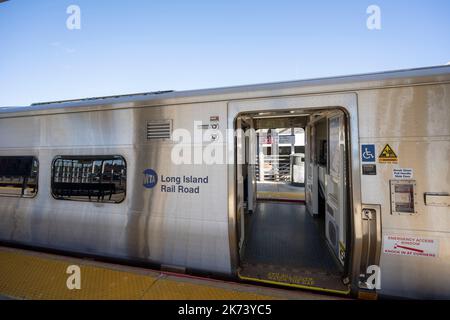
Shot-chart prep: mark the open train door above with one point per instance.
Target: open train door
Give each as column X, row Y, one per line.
column 315, row 245
column 287, row 242
column 311, row 185
column 246, row 173
column 250, row 160
column 336, row 187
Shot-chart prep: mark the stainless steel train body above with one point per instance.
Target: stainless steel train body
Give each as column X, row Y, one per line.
column 407, row 110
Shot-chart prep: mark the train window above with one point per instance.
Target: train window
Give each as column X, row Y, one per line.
column 19, row 176
column 89, row 178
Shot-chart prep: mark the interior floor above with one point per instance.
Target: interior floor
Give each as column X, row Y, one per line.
column 286, row 244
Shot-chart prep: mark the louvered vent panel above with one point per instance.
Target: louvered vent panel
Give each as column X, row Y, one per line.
column 159, row 129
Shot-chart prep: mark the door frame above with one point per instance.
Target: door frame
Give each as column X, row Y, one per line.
column 347, row 102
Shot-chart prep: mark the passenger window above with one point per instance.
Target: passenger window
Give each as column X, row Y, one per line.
column 89, row 178
column 19, row 176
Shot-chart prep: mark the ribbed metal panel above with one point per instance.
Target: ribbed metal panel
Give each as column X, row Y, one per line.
column 159, row 129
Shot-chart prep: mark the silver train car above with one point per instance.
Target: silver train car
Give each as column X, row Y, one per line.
column 133, row 178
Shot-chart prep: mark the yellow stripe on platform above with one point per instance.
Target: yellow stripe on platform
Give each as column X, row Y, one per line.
column 28, row 276
column 299, row 196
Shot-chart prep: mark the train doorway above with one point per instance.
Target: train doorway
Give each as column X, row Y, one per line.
column 292, row 198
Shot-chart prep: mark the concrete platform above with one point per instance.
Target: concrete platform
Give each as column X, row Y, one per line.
column 280, row 191
column 34, row 275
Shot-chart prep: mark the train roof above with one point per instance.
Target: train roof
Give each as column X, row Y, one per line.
column 310, row 86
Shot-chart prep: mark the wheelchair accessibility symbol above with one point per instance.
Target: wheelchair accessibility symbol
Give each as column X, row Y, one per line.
column 368, row 153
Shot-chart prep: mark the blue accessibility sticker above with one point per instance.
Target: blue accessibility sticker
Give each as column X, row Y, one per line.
column 368, row 153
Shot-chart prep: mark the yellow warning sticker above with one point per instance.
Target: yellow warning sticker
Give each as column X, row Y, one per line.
column 388, row 155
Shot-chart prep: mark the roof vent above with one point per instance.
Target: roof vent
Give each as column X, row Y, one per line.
column 161, row 129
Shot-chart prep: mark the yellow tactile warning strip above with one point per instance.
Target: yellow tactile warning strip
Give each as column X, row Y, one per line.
column 292, row 196
column 29, row 276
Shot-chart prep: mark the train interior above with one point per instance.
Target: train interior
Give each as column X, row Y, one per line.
column 292, row 198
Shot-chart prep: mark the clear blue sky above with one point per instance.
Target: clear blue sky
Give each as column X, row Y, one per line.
column 137, row 46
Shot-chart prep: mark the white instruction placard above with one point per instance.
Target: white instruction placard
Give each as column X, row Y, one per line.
column 405, row 245
column 402, row 173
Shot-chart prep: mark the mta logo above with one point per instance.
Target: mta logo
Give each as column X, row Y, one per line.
column 150, row 178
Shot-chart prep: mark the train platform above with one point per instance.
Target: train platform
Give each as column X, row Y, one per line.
column 280, row 191
column 35, row 275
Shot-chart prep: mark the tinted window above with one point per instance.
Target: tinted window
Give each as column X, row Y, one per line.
column 18, row 176
column 89, row 178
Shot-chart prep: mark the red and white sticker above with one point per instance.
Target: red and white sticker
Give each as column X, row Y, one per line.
column 410, row 246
